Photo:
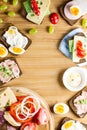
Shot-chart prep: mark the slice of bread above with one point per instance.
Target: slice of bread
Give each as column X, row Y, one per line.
column 43, row 7
column 12, row 60
column 5, row 28
column 72, row 106
column 69, row 21
column 65, row 119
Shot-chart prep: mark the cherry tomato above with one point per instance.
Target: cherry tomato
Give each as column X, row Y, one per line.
column 28, row 126
column 35, row 7
column 54, row 18
column 81, row 54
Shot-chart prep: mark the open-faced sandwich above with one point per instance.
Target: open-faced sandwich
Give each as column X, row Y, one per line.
column 21, row 109
column 78, row 48
column 9, row 70
column 73, row 10
column 70, row 124
column 15, row 41
column 36, row 10
column 78, row 103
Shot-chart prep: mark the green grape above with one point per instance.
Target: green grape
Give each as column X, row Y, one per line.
column 84, row 23
column 1, row 21
column 11, row 14
column 51, row 29
column 33, row 31
column 15, row 2
column 3, row 7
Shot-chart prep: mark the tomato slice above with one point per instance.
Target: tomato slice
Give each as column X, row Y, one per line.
column 81, row 54
column 28, row 126
column 79, row 43
column 13, row 108
column 20, row 98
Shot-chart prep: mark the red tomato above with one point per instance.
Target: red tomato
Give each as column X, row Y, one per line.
column 28, row 126
column 54, row 18
column 81, row 54
column 20, row 98
column 13, row 108
column 35, row 7
column 79, row 43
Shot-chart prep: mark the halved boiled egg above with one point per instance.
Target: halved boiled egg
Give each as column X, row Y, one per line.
column 3, row 51
column 16, row 50
column 68, row 125
column 61, row 108
column 75, row 10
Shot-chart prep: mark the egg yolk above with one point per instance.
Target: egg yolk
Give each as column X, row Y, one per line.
column 60, row 109
column 2, row 50
column 74, row 11
column 68, row 124
column 17, row 50
column 11, row 31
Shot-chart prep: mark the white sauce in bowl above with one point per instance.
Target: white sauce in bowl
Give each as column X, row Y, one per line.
column 74, row 79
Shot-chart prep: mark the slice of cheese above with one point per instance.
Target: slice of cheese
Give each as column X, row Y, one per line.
column 83, row 39
column 7, row 97
column 31, row 16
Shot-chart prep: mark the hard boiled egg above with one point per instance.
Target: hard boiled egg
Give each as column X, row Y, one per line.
column 16, row 50
column 3, row 51
column 75, row 10
column 61, row 108
column 72, row 125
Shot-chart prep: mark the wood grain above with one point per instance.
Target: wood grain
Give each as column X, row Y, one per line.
column 43, row 64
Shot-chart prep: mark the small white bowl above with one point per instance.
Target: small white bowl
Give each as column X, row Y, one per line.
column 74, row 78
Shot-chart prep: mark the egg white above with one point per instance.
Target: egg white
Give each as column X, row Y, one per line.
column 66, row 108
column 11, row 50
column 5, row 49
column 76, row 125
column 15, row 38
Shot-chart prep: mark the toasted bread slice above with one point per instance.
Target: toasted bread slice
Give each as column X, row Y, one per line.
column 43, row 7
column 3, row 31
column 8, row 72
column 65, row 119
column 72, row 106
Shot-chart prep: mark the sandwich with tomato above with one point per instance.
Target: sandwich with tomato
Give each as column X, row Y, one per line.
column 78, row 48
column 36, row 10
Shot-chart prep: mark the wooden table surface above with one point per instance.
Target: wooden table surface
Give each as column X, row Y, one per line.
column 43, row 64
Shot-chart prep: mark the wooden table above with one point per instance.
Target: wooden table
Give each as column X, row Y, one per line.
column 43, row 64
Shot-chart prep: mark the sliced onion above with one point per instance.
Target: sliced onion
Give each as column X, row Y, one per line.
column 17, row 113
column 25, row 101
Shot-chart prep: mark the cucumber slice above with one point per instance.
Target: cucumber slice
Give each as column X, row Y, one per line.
column 71, row 42
column 27, row 6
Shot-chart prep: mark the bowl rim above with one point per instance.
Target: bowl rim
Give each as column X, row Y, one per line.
column 83, row 75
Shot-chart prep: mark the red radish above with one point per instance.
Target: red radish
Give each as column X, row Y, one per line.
column 28, row 126
column 41, row 117
column 54, row 18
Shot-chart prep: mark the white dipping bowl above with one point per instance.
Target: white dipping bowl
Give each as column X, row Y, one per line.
column 74, row 78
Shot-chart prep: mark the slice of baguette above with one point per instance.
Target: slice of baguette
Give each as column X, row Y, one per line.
column 71, row 103
column 67, row 119
column 4, row 29
column 43, row 9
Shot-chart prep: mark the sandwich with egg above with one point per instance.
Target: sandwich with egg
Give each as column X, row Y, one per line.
column 14, row 40
column 73, row 10
column 35, row 11
column 70, row 124
column 78, row 103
